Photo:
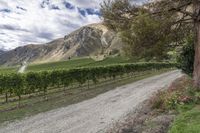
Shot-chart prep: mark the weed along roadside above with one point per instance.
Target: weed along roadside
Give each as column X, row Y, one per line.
column 174, row 110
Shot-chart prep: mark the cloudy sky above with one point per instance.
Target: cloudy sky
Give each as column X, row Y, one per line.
column 39, row 21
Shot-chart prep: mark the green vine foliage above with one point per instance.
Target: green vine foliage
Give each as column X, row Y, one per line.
column 17, row 84
column 32, row 82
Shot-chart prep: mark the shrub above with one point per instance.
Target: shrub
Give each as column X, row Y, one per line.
column 197, row 97
column 186, row 58
column 185, row 99
column 171, row 100
column 179, row 93
column 158, row 100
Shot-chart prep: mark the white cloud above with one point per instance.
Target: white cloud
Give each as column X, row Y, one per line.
column 23, row 22
column 39, row 21
column 87, row 3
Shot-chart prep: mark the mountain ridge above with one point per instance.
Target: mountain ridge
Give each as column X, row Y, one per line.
column 93, row 40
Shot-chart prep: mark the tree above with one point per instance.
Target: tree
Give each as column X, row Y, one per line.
column 149, row 37
column 116, row 13
column 187, row 12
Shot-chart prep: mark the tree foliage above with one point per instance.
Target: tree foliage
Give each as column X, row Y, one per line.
column 147, row 32
column 117, row 13
column 187, row 13
column 148, row 37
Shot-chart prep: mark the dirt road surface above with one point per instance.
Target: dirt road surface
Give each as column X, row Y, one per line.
column 97, row 114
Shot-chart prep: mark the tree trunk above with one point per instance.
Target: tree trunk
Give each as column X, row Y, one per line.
column 196, row 73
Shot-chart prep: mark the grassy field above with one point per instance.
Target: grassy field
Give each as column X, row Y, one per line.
column 188, row 121
column 8, row 70
column 110, row 61
column 74, row 63
column 60, row 65
column 79, row 62
column 56, row 99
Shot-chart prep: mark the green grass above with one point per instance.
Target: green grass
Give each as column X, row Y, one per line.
column 79, row 62
column 74, row 63
column 187, row 121
column 60, row 65
column 8, row 70
column 110, row 61
column 59, row 99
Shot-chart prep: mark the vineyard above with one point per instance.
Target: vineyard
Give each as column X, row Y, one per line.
column 18, row 85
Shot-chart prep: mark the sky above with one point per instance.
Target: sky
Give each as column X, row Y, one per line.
column 25, row 22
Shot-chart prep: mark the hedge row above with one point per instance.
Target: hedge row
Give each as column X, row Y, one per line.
column 22, row 84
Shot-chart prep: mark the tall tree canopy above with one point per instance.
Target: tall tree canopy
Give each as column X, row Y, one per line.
column 156, row 26
column 148, row 36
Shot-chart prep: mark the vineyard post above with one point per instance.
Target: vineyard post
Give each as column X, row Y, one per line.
column 88, row 78
column 6, row 87
column 19, row 103
column 6, row 93
column 88, row 83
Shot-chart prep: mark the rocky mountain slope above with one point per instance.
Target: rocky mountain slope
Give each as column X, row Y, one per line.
column 1, row 51
column 93, row 40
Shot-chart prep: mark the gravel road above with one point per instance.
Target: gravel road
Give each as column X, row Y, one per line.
column 97, row 114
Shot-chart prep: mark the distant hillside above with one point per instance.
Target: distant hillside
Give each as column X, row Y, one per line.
column 1, row 51
column 92, row 40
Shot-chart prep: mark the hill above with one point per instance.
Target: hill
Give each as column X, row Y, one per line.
column 1, row 51
column 92, row 40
